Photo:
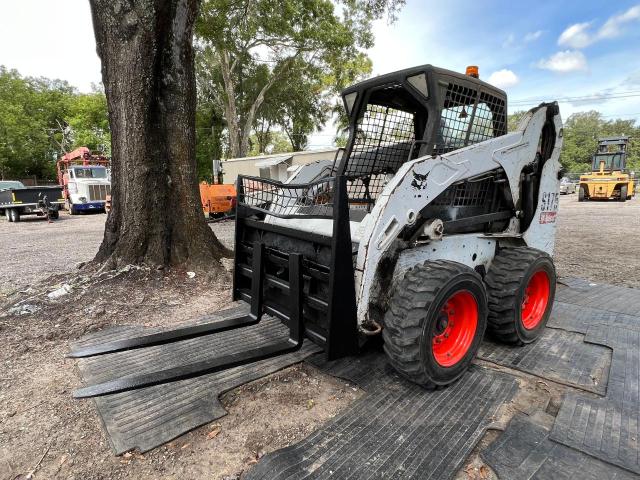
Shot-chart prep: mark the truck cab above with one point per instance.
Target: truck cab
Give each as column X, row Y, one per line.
column 86, row 180
column 88, row 187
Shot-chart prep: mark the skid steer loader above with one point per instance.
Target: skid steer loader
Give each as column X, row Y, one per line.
column 433, row 225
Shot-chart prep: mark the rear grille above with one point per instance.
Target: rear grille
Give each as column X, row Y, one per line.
column 99, row 192
column 465, row 194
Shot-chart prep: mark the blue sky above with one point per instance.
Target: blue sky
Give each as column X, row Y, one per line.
column 542, row 50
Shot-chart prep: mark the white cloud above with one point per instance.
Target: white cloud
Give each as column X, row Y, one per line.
column 613, row 26
column 503, row 79
column 510, row 41
column 597, row 98
column 579, row 35
column 564, row 62
column 576, row 36
column 513, row 41
column 533, row 36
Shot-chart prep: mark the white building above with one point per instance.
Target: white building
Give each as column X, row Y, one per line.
column 276, row 167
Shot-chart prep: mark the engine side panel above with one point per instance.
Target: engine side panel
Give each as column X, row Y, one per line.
column 419, row 182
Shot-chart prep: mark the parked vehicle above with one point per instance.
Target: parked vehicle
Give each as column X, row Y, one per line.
column 434, row 225
column 568, row 186
column 85, row 179
column 17, row 200
column 609, row 178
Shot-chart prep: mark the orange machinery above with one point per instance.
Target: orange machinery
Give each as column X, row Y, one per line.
column 218, row 199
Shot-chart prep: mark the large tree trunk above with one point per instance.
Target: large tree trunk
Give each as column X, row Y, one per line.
column 149, row 77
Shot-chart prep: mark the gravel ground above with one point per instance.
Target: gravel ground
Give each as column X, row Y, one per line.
column 595, row 240
column 599, row 241
column 42, row 428
column 33, row 248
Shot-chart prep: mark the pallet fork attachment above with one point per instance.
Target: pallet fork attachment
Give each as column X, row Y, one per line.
column 338, row 335
column 184, row 333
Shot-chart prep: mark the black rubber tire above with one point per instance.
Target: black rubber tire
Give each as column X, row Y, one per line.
column 72, row 211
column 581, row 194
column 410, row 321
column 623, row 193
column 508, row 276
column 14, row 215
column 7, row 215
column 54, row 214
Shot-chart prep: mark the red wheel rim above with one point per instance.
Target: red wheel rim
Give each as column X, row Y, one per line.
column 455, row 328
column 535, row 300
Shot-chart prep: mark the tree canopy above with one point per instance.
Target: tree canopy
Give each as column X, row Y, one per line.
column 267, row 74
column 581, row 133
column 41, row 118
column 265, row 64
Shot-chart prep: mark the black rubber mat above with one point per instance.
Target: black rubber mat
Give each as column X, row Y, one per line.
column 149, row 417
column 524, row 451
column 557, row 355
column 577, row 318
column 397, row 430
column 607, row 428
column 599, row 295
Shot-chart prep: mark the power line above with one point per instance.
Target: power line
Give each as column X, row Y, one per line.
column 622, row 115
column 579, row 97
column 609, row 96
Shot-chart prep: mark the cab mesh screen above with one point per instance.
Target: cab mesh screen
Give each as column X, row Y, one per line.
column 467, row 119
column 382, row 143
column 490, row 119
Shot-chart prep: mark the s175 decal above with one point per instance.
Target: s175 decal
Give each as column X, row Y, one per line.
column 549, row 207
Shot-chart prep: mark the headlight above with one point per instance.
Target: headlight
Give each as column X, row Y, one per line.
column 83, row 199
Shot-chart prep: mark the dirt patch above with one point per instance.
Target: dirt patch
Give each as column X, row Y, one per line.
column 39, row 419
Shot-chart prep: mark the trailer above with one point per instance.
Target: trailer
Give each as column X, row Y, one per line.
column 17, row 200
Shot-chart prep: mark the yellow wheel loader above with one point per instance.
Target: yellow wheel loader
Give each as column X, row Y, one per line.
column 609, row 178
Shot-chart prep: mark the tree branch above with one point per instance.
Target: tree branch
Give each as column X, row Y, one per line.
column 250, row 118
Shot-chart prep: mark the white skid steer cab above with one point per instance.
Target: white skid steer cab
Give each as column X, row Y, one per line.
column 434, row 225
